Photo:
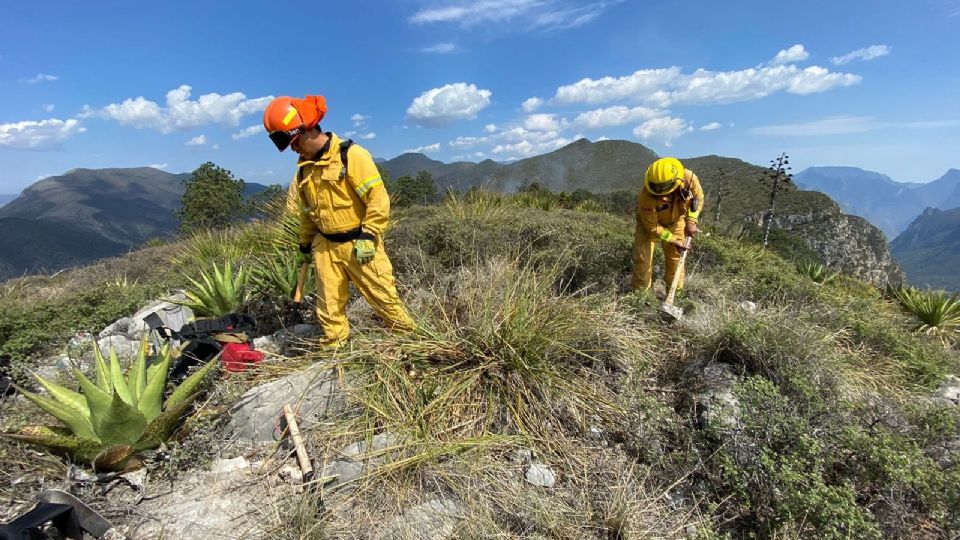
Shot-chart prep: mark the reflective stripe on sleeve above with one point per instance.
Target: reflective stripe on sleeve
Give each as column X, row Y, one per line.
column 368, row 184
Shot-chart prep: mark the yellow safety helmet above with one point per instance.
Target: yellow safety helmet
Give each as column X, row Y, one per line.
column 663, row 176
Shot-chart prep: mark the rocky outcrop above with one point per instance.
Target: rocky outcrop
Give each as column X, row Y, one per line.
column 849, row 244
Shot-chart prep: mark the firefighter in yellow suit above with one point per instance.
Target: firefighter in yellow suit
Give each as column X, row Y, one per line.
column 344, row 211
column 668, row 207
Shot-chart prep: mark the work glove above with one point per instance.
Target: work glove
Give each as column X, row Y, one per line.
column 691, row 228
column 364, row 248
column 304, row 256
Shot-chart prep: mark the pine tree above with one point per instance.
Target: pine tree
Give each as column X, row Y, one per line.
column 212, row 199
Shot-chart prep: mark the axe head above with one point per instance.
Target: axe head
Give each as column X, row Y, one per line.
column 674, row 312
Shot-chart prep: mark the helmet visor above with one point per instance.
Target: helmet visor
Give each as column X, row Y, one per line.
column 283, row 139
column 665, row 187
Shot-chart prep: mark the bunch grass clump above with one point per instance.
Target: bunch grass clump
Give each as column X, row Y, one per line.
column 501, row 357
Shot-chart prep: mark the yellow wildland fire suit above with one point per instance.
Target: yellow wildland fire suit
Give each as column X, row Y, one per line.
column 336, row 204
column 663, row 219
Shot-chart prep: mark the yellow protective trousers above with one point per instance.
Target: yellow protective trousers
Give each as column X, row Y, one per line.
column 644, row 242
column 336, row 269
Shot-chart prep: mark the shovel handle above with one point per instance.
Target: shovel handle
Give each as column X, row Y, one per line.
column 676, row 273
column 302, row 458
column 298, row 292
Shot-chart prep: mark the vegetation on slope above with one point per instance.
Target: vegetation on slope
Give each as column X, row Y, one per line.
column 530, row 341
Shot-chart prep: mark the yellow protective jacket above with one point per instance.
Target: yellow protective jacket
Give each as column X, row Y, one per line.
column 334, row 200
column 656, row 213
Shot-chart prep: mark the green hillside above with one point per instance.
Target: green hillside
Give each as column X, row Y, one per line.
column 777, row 407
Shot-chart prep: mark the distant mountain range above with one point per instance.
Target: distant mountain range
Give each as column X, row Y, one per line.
column 812, row 218
column 4, row 199
column 88, row 214
column 929, row 250
column 889, row 205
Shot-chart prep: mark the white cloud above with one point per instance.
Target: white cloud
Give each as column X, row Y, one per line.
column 531, row 104
column 49, row 107
column 199, row 140
column 424, row 149
column 669, row 86
column 440, row 48
column 543, row 122
column 631, row 87
column 160, row 166
column 528, row 148
column 932, row 124
column 38, row 135
column 368, row 136
column 529, row 14
column 788, row 56
column 664, row 129
column 711, row 126
column 359, row 119
column 41, row 77
column 866, row 53
column 442, row 106
column 614, row 116
column 490, row 128
column 349, row 134
column 216, row 147
column 834, row 125
column 468, row 142
column 247, row 132
column 181, row 112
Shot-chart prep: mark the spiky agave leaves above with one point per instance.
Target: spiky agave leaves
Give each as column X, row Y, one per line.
column 117, row 414
column 219, row 293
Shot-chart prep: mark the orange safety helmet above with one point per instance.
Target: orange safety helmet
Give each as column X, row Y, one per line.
column 285, row 118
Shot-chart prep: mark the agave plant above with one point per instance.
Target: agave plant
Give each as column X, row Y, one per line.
column 937, row 312
column 113, row 418
column 589, row 205
column 817, row 272
column 277, row 275
column 218, row 294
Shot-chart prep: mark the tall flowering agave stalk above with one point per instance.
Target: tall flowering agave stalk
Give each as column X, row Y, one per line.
column 116, row 416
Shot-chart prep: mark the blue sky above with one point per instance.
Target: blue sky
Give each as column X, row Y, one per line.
column 873, row 84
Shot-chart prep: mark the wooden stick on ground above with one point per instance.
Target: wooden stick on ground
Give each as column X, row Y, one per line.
column 302, row 458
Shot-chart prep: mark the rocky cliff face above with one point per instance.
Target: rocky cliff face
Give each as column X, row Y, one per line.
column 846, row 243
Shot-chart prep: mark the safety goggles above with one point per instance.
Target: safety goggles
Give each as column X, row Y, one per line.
column 666, row 187
column 283, row 139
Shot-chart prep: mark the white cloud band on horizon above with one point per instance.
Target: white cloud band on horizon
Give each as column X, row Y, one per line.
column 442, row 106
column 423, row 149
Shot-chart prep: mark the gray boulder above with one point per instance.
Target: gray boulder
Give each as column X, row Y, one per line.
column 948, row 393
column 313, row 392
column 717, row 406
